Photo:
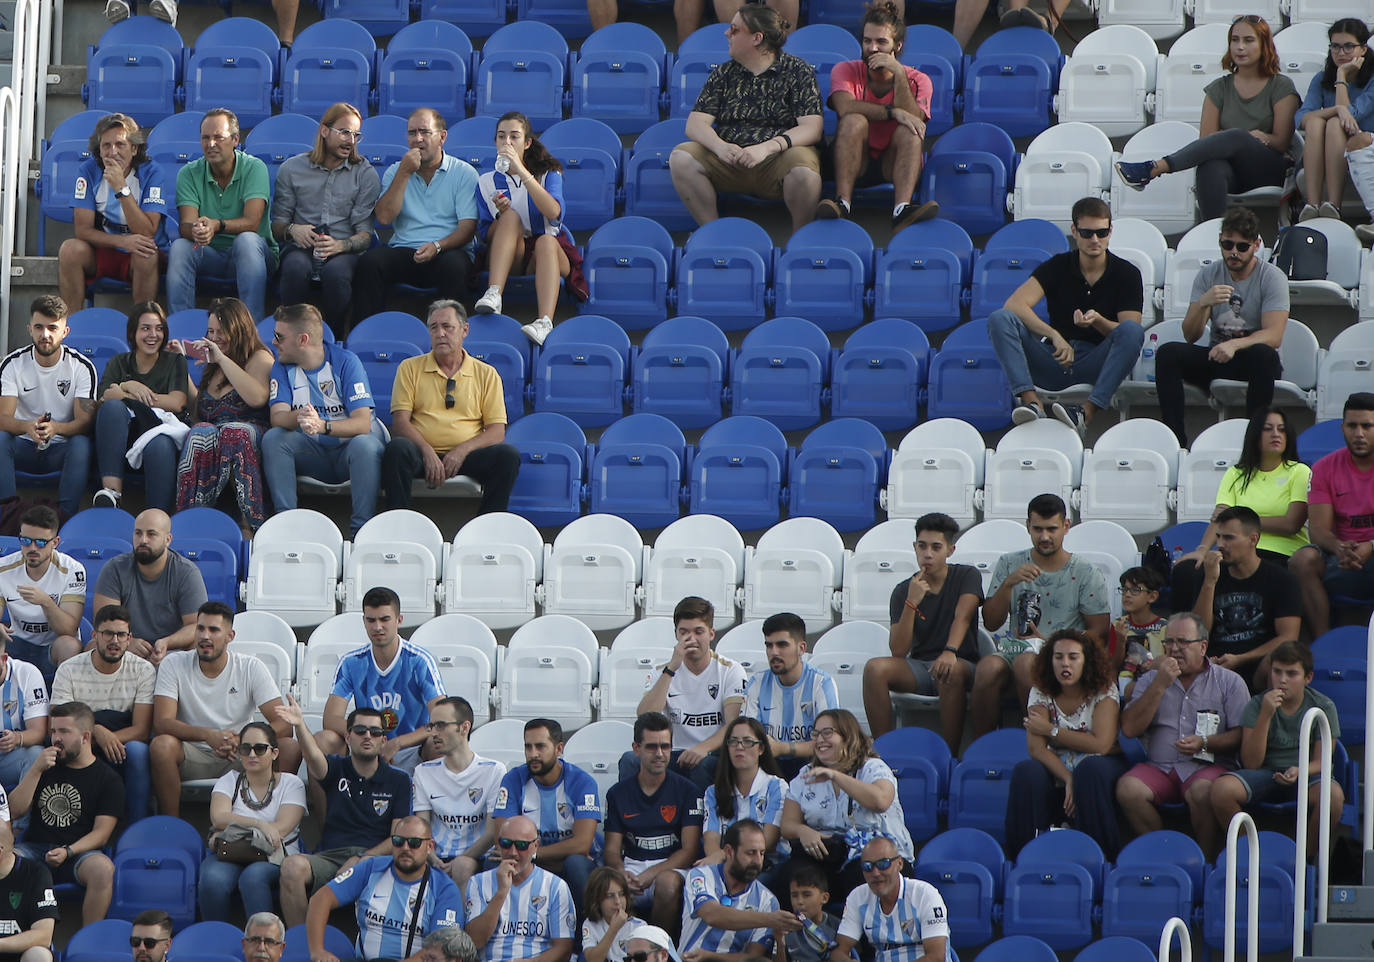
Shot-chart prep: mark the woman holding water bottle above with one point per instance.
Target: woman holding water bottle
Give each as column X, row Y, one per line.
column 520, row 219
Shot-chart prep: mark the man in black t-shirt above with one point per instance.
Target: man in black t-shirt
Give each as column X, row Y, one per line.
column 1093, row 299
column 75, row 801
column 1250, row 606
column 28, row 908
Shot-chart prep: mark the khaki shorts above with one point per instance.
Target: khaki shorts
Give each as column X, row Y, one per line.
column 325, row 864
column 764, row 180
column 201, row 762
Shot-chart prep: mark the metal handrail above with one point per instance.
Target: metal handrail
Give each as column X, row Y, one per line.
column 11, row 186
column 1242, row 820
column 1185, row 940
column 1313, row 716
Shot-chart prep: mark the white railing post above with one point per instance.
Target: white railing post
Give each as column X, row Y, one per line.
column 12, row 182
column 1318, row 717
column 1185, row 940
column 1242, row 821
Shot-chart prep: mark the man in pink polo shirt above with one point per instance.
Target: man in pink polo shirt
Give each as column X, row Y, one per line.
column 880, row 120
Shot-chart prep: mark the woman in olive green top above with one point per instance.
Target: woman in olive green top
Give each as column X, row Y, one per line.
column 134, row 386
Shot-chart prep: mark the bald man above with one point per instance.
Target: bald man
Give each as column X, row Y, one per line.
column 28, row 910
column 904, row 917
column 160, row 588
column 518, row 910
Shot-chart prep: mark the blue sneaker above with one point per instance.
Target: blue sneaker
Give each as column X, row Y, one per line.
column 1136, row 174
column 1071, row 415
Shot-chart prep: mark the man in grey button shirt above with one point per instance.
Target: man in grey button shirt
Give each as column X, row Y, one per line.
column 322, row 214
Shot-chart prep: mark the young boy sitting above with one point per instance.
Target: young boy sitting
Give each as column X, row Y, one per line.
column 813, row 942
column 1136, row 638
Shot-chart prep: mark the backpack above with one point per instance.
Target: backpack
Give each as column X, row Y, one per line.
column 1300, row 253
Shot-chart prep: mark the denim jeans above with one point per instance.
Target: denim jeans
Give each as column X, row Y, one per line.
column 1029, row 363
column 160, row 456
column 13, row 765
column 249, row 262
column 135, row 772
column 358, row 460
column 1229, row 161
column 256, row 884
column 72, row 457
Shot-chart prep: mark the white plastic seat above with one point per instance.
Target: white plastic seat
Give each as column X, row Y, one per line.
column 1225, row 11
column 465, row 650
column 1109, row 80
column 1161, row 19
column 593, row 572
column 1345, row 369
column 1193, row 61
column 1344, row 256
column 1040, row 456
column 1110, row 548
column 904, row 702
column 550, row 669
column 267, row 628
column 938, row 466
column 634, row 656
column 596, row 749
column 700, row 555
column 501, row 740
column 294, row 567
column 278, row 662
column 797, row 566
column 494, row 565
column 1141, row 243
column 1200, row 468
column 319, row 662
column 1325, row 12
column 403, row 550
column 1302, row 47
column 1301, row 357
column 881, row 560
column 981, row 545
column 1168, row 202
column 1063, row 164
column 1130, row 475
column 1141, row 388
column 744, row 644
column 842, row 653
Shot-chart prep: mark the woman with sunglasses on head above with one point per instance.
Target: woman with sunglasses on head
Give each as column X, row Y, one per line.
column 1071, row 726
column 261, row 798
column 609, row 923
column 231, row 414
column 1246, row 128
column 1339, row 104
column 748, row 785
column 840, row 800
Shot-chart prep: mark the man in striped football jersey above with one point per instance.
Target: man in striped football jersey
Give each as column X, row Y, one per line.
column 518, row 910
column 903, row 919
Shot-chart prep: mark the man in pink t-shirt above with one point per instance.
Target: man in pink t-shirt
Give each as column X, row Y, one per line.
column 1340, row 519
column 880, row 120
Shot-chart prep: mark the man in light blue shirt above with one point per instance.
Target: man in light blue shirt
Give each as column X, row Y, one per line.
column 429, row 198
column 903, row 919
column 788, row 697
column 518, row 910
column 727, row 913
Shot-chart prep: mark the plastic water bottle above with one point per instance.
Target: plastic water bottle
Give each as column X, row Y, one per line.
column 1177, row 553
column 502, row 164
column 317, row 259
column 1148, row 356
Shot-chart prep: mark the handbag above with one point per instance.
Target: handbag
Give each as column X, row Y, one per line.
column 241, row 845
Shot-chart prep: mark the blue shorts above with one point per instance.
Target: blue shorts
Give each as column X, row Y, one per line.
column 1260, row 786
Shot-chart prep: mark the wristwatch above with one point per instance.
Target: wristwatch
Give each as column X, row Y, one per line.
column 124, row 191
column 1054, row 733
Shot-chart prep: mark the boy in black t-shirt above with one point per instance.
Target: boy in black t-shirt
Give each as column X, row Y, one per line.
column 28, row 908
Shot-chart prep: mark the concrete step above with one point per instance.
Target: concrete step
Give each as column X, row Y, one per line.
column 1346, row 939
column 1331, row 958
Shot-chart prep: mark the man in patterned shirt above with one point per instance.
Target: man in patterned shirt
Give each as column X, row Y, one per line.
column 752, row 128
column 517, row 910
column 788, row 697
column 904, row 919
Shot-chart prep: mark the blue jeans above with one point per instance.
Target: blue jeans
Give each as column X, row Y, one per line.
column 576, row 870
column 160, row 456
column 135, row 772
column 1029, row 363
column 13, row 765
column 255, row 883
column 249, row 262
column 72, row 457
column 358, row 460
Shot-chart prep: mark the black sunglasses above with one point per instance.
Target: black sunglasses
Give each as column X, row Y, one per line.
column 1240, row 247
column 146, row 941
column 448, row 393
column 519, row 844
column 25, row 541
column 372, row 730
column 259, row 748
column 882, row 864
column 1086, row 232
column 638, row 956
column 414, row 841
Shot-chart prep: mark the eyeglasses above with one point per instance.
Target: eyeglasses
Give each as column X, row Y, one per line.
column 1253, row 18
column 1132, row 590
column 1240, row 247
column 882, row 864
column 1098, row 232
column 372, row 730
column 146, row 941
column 278, row 337
column 449, row 387
column 1345, row 47
column 519, row 844
column 414, row 841
column 438, row 726
column 658, row 748
column 354, row 135
column 109, row 635
column 25, row 541
column 1181, row 642
column 822, row 732
column 741, row 742
column 639, row 956
column 256, row 748
column 262, row 940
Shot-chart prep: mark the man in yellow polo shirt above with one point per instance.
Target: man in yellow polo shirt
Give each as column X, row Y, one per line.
column 448, row 417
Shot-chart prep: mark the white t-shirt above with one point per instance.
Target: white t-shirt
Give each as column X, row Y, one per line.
column 1078, row 721
column 64, row 581
column 696, row 703
column 47, row 390
column 459, row 803
column 594, row 932
column 828, row 810
column 227, row 702
column 290, row 790
column 23, row 695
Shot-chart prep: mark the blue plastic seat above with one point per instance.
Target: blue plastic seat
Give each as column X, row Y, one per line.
column 523, row 67
column 384, row 140
column 298, row 949
column 98, row 523
column 188, row 324
column 60, row 158
column 381, row 357
column 824, row 274
column 649, row 190
column 134, row 69
column 391, row 325
column 880, row 374
column 923, row 274
column 934, row 51
column 1017, row 948
column 628, row 264
column 618, row 77
column 590, row 153
column 381, row 18
column 158, row 859
column 969, row 173
column 697, row 55
column 1030, row 232
column 1320, row 440
column 498, row 340
column 94, row 550
column 738, row 472
column 967, row 866
column 478, row 18
column 917, row 756
column 279, row 138
column 581, row 370
column 725, row 271
column 679, row 372
column 823, row 45
column 1011, row 80
column 211, row 939
column 967, row 380
column 636, row 472
column 99, row 936
column 1117, row 948
column 1007, row 261
column 780, row 372
column 175, row 142
column 569, row 17
column 1052, row 888
column 836, row 476
column 474, row 141
column 211, row 524
column 980, row 782
column 329, row 62
column 218, row 564
column 426, row 65
column 553, row 460
column 1342, row 677
column 234, row 64
column 1278, row 853
column 98, row 347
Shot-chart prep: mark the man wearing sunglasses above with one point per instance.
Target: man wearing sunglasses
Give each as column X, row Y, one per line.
column 448, row 418
column 28, row 908
column 1241, row 302
column 398, row 900
column 45, row 592
column 1093, row 300
column 151, row 936
column 873, row 910
column 728, row 915
column 517, row 910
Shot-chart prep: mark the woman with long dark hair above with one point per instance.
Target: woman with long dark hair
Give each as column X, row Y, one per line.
column 1339, row 104
column 748, row 785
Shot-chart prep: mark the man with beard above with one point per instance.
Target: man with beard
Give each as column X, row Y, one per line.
column 790, row 694
column 1036, row 592
column 518, row 910
column 45, row 592
column 28, row 908
column 119, row 691
column 727, row 914
column 872, row 911
column 161, row 590
column 202, row 699
column 151, row 936
column 76, row 801
column 399, row 900
column 264, row 938
column 47, row 405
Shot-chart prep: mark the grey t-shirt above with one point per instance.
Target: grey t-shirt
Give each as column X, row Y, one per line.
column 1281, row 750
column 1249, row 113
column 1066, row 595
column 1266, row 289
column 155, row 607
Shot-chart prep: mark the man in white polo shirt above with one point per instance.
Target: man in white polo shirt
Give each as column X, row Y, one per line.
column 45, row 593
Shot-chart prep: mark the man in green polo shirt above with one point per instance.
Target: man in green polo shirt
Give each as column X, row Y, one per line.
column 224, row 229
column 448, row 417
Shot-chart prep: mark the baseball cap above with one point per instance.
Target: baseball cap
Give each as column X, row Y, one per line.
column 657, row 937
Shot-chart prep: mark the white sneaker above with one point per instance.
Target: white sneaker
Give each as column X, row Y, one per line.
column 490, row 302
column 117, row 10
column 106, row 498
column 164, row 10
column 536, row 331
